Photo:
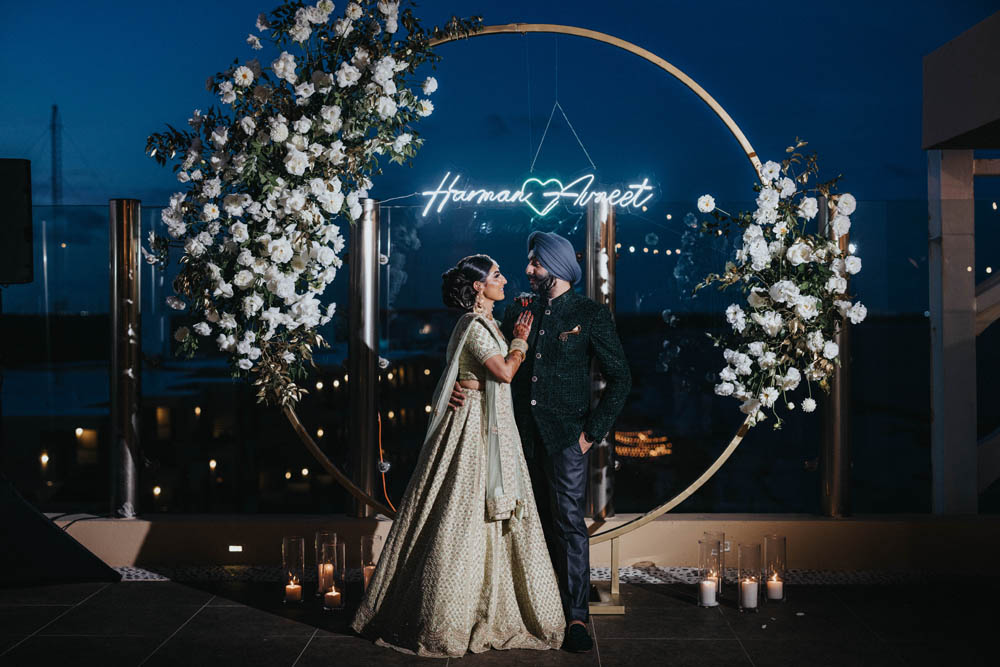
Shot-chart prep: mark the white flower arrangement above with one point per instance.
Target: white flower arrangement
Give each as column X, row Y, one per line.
column 291, row 150
column 796, row 284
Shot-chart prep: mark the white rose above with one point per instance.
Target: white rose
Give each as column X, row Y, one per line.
column 176, row 303
column 385, row 107
column 727, row 374
column 284, row 67
column 799, row 253
column 768, row 360
column 296, row 162
column 770, row 171
column 846, row 204
column 836, row 285
column 807, row 307
column 841, row 225
column 303, row 91
column 808, row 405
column 756, row 348
column 830, row 350
column 724, row 389
column 243, row 279
column 245, row 364
column 202, row 329
column 239, row 232
column 767, row 198
column 784, row 291
column 247, row 124
column 194, row 248
column 814, row 341
column 770, row 321
column 401, row 142
column 225, row 342
column 750, row 406
column 857, row 313
column 181, row 334
column 791, row 379
column 852, row 264
column 279, row 250
column 765, row 215
column 787, row 186
column 736, row 317
column 430, row 85
column 347, row 75
column 706, row 203
column 252, row 303
column 808, row 208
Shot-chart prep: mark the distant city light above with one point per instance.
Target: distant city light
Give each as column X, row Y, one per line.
column 157, row 490
column 305, row 472
column 212, row 464
column 645, row 250
column 669, row 217
column 631, row 248
column 643, row 209
column 677, row 250
column 969, row 269
column 389, row 376
column 427, row 371
column 64, row 245
column 235, row 548
column 336, row 383
column 656, row 251
column 668, row 251
column 79, row 431
column 44, row 458
column 391, row 415
column 319, row 385
column 319, row 433
column 197, row 410
column 345, row 377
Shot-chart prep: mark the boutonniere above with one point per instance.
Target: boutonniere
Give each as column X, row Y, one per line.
column 564, row 336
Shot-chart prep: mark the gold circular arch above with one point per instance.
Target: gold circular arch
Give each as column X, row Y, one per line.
column 522, row 29
column 734, row 129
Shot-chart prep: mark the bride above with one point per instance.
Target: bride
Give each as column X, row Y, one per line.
column 465, row 566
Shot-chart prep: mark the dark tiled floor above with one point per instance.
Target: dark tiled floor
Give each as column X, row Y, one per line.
column 245, row 624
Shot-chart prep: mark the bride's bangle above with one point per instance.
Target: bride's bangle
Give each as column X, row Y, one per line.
column 520, row 345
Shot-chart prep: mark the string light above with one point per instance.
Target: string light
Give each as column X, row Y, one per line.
column 212, row 464
column 391, row 415
column 968, row 269
column 646, row 250
column 288, row 474
column 656, row 251
column 641, row 445
column 631, row 248
column 336, row 383
column 305, row 472
column 197, row 410
column 319, row 385
column 669, row 217
column 989, row 269
column 427, row 408
column 319, row 433
column 427, row 371
column 668, row 251
column 157, row 490
column 79, row 431
column 389, row 376
column 44, row 458
column 63, row 245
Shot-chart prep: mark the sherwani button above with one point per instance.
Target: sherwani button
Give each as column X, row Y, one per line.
column 548, row 312
column 534, row 402
column 534, row 378
column 538, row 355
column 542, row 332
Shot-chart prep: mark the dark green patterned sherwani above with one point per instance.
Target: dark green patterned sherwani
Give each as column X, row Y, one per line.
column 551, row 391
column 551, row 394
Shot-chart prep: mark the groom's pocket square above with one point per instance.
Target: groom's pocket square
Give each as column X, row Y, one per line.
column 564, row 336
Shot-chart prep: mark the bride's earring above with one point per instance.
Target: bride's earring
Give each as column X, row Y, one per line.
column 479, row 307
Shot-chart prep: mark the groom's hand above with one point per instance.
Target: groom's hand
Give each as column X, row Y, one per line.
column 457, row 397
column 584, row 443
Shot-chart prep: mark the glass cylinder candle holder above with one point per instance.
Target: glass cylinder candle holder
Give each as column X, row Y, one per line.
column 340, row 569
column 710, row 567
column 748, row 577
column 322, row 538
column 367, row 559
column 332, row 595
column 775, row 567
column 293, row 561
column 719, row 537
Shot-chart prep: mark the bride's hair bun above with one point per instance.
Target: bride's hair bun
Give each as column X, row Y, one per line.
column 457, row 283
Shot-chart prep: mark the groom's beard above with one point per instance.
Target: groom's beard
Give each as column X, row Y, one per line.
column 543, row 286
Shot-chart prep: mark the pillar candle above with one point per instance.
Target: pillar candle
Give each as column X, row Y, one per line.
column 748, row 594
column 332, row 599
column 293, row 593
column 707, row 589
column 775, row 588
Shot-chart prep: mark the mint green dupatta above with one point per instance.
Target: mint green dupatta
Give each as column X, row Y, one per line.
column 504, row 486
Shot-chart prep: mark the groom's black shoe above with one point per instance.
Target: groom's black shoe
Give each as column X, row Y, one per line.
column 577, row 640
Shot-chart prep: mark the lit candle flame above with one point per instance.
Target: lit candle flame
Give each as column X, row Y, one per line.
column 774, row 577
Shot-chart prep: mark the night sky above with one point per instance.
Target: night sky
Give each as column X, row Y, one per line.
column 846, row 76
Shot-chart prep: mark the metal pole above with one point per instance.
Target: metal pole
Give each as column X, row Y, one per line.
column 126, row 354
column 363, row 350
column 600, row 272
column 835, row 457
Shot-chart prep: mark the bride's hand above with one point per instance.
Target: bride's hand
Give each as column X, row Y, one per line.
column 457, row 397
column 523, row 325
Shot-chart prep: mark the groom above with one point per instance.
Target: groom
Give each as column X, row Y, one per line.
column 558, row 426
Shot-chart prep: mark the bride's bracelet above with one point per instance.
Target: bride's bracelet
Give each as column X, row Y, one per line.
column 520, row 345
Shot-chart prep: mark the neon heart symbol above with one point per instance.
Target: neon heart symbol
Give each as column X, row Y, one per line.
column 554, row 195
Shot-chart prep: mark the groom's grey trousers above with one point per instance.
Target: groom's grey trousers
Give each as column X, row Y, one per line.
column 559, row 482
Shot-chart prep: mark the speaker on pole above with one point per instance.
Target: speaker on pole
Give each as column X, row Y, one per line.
column 16, row 257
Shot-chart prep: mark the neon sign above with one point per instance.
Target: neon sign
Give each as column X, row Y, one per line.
column 541, row 196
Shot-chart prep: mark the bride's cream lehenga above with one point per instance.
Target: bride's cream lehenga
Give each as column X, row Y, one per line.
column 465, row 566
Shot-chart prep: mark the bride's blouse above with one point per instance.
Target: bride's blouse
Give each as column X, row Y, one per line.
column 479, row 346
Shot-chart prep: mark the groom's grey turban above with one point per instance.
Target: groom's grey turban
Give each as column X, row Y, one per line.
column 556, row 255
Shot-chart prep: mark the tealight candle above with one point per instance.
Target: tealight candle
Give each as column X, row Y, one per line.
column 332, row 599
column 775, row 588
column 293, row 592
column 748, row 594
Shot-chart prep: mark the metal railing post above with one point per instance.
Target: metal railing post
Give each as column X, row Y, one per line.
column 126, row 354
column 363, row 350
column 600, row 277
column 835, row 457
